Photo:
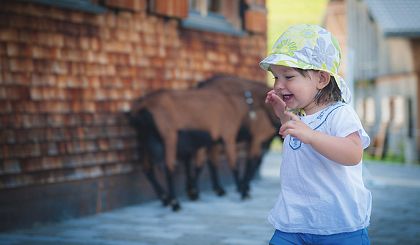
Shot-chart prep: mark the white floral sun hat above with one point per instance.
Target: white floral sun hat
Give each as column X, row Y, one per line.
column 306, row 47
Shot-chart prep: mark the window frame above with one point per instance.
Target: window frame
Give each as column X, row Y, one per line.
column 206, row 20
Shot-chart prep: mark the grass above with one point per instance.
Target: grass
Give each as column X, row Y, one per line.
column 276, row 145
column 389, row 158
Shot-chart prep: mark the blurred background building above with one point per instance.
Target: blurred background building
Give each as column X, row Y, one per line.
column 380, row 40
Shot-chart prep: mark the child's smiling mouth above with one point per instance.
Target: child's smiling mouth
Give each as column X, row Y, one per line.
column 287, row 97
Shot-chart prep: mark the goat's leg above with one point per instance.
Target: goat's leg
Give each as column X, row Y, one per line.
column 251, row 165
column 199, row 161
column 191, row 186
column 171, row 188
column 235, row 174
column 257, row 166
column 170, row 157
column 250, row 168
column 217, row 188
column 264, row 149
column 230, row 147
column 212, row 163
column 197, row 172
column 151, row 177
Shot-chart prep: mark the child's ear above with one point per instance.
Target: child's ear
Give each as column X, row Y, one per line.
column 324, row 79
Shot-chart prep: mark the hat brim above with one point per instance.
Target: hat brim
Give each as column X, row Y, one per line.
column 285, row 60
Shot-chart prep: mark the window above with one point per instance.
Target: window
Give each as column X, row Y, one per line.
column 361, row 110
column 369, row 113
column 205, row 6
column 215, row 16
column 398, row 111
column 385, row 110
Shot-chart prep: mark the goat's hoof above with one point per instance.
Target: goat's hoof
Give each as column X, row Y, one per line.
column 193, row 194
column 165, row 200
column 245, row 195
column 244, row 189
column 220, row 191
column 175, row 206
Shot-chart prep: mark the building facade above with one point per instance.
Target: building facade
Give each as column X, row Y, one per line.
column 70, row 69
column 381, row 60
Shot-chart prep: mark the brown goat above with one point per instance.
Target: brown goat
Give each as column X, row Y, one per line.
column 262, row 133
column 205, row 110
column 261, row 123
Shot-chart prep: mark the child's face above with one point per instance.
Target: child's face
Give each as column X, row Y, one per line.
column 296, row 90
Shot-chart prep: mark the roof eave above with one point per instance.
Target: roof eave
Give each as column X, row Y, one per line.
column 404, row 34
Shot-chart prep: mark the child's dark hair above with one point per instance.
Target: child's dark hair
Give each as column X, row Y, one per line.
column 330, row 93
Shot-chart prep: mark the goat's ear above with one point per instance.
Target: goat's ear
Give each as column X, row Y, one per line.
column 324, row 79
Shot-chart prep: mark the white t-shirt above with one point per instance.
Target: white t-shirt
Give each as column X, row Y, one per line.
column 317, row 195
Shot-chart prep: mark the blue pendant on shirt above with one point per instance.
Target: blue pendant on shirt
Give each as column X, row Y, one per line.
column 295, row 143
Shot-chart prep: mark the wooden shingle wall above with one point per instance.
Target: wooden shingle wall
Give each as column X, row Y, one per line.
column 67, row 78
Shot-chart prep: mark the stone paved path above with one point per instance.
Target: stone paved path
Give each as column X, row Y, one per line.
column 229, row 221
column 396, row 203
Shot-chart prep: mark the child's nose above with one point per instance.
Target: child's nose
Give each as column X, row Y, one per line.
column 278, row 85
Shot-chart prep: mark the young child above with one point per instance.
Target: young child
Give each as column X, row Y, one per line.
column 322, row 197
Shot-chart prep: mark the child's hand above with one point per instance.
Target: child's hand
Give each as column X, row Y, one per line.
column 296, row 128
column 279, row 106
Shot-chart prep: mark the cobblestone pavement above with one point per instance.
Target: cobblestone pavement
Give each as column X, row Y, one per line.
column 229, row 221
column 396, row 203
